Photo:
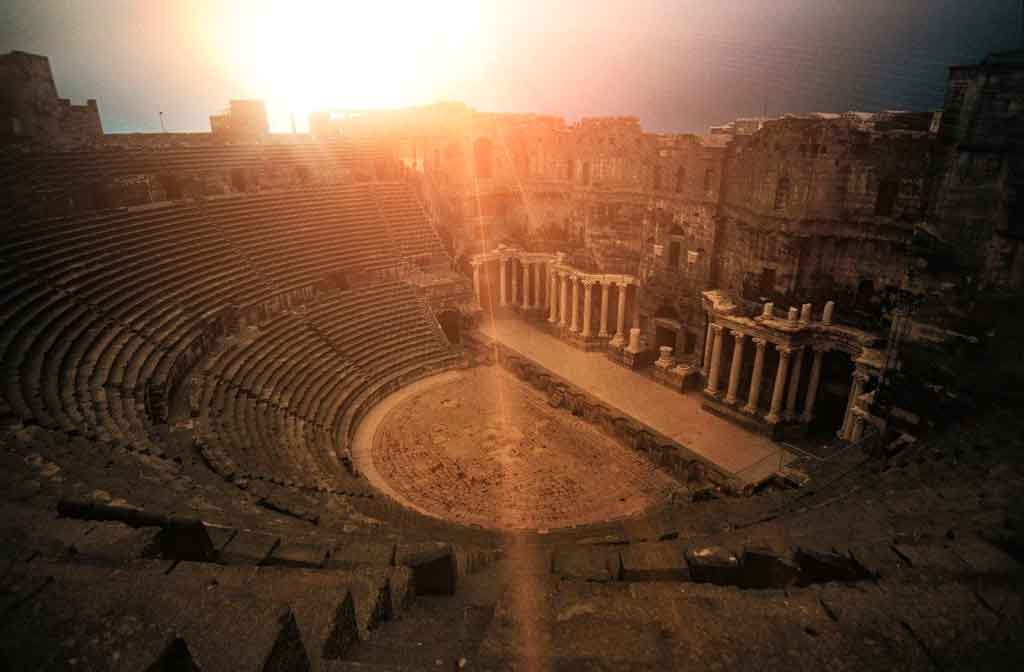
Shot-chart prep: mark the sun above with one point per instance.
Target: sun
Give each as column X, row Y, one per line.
column 301, row 55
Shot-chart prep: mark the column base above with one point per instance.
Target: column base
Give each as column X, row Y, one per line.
column 618, row 341
column 750, row 410
column 602, row 334
column 732, row 401
column 806, row 418
column 714, row 394
column 773, row 418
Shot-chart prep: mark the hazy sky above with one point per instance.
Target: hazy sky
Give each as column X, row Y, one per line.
column 680, row 65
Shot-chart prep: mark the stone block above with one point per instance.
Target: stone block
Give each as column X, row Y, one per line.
column 293, row 554
column 713, row 564
column 654, row 561
column 586, row 562
column 359, row 552
column 822, row 567
column 186, row 539
column 249, row 548
column 762, row 567
column 434, row 567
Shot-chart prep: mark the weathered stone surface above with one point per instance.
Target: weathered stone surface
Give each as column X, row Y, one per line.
column 294, row 554
column 821, row 567
column 249, row 548
column 713, row 564
column 356, row 552
column 434, row 567
column 586, row 562
column 654, row 561
column 763, row 567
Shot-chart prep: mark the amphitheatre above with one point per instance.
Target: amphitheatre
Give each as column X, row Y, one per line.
column 435, row 388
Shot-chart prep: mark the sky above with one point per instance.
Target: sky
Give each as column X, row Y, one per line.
column 678, row 65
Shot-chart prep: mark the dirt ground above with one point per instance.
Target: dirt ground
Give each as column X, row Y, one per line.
column 487, row 450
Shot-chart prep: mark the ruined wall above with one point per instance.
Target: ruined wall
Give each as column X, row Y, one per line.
column 979, row 173
column 821, row 208
column 30, row 109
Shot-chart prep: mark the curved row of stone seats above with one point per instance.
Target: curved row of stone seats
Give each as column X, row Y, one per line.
column 58, row 167
column 280, row 401
column 103, row 306
column 298, row 236
column 413, row 234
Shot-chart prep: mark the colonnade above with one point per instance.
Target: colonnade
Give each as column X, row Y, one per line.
column 789, row 379
column 548, row 283
column 564, row 309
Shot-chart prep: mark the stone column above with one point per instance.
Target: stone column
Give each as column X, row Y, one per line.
column 620, row 323
column 634, row 341
column 552, row 297
column 709, row 340
column 527, row 290
column 737, row 366
column 603, row 333
column 774, row 412
column 563, row 315
column 716, row 361
column 476, row 281
column 860, row 376
column 575, row 327
column 503, row 279
column 588, row 300
column 812, row 385
column 538, row 302
column 755, row 381
column 514, row 267
column 857, row 431
column 794, row 384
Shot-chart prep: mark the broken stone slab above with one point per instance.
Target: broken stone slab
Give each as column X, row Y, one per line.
column 295, row 554
column 985, row 558
column 357, row 552
column 713, row 564
column 249, row 548
column 654, row 561
column 323, row 602
column 587, row 563
column 822, row 567
column 433, row 564
column 763, row 567
column 109, row 608
column 403, row 592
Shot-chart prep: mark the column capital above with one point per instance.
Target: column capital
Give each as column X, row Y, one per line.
column 588, row 282
column 761, row 343
column 717, row 328
column 861, row 375
column 737, row 334
column 622, row 283
column 821, row 347
column 476, row 263
column 785, row 350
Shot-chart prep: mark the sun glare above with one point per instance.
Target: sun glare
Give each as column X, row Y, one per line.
column 301, row 56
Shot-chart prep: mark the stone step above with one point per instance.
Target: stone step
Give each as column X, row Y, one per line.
column 87, row 617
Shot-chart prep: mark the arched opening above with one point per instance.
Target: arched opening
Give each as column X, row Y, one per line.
column 782, row 193
column 888, row 190
column 674, row 252
column 482, row 151
column 865, row 292
column 451, row 325
column 709, row 181
column 238, row 180
column 171, row 185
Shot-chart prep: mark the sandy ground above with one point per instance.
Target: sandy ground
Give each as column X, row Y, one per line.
column 481, row 448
